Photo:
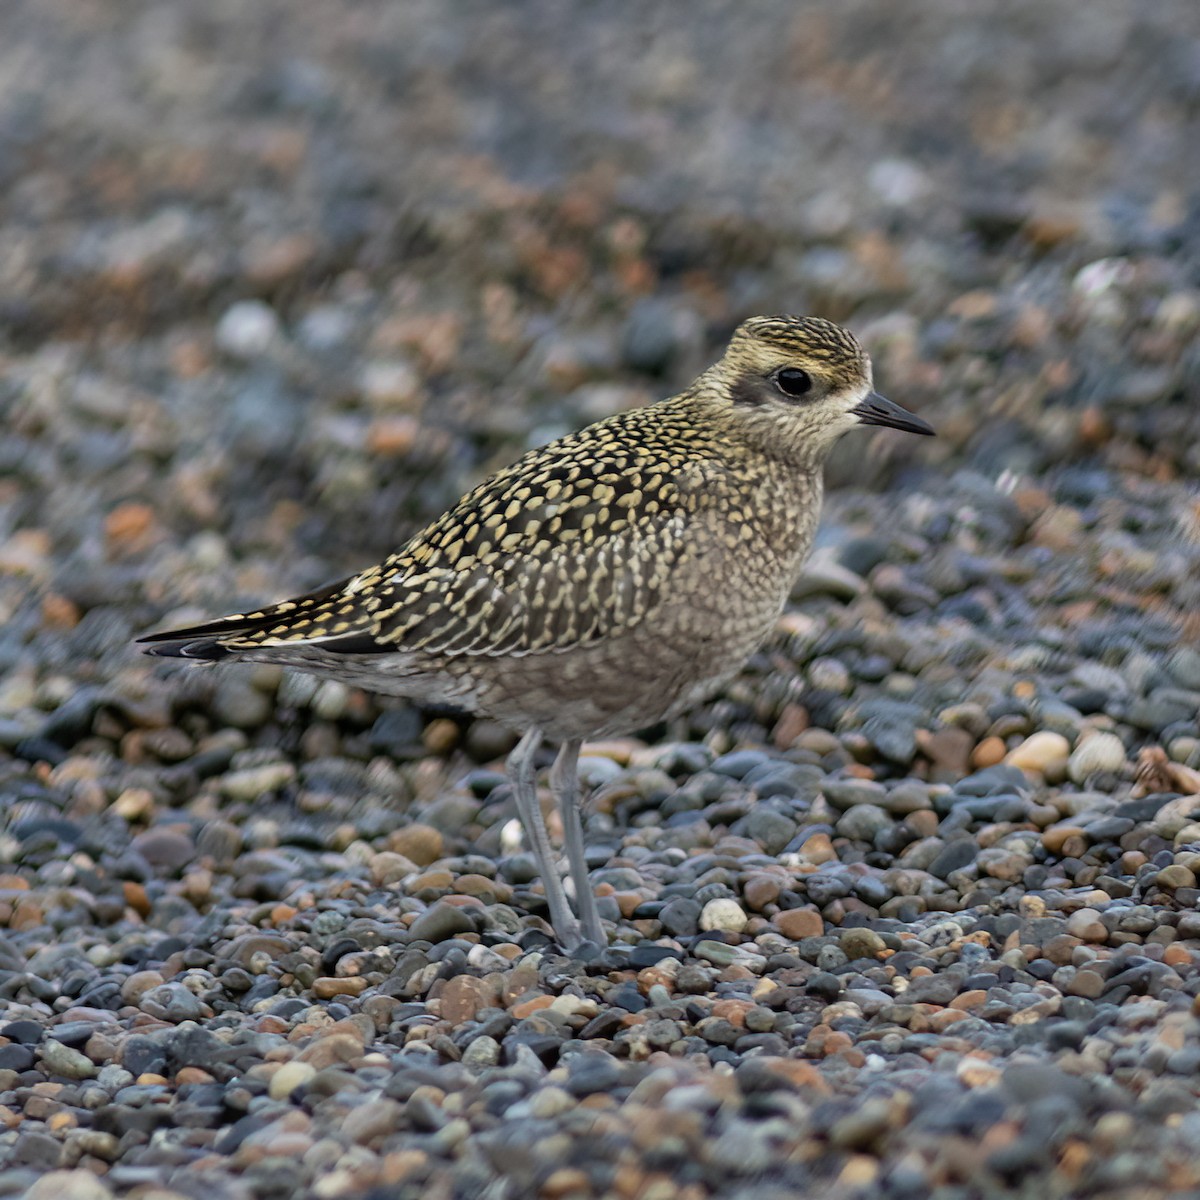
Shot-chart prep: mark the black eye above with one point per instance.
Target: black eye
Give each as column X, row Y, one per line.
column 793, row 382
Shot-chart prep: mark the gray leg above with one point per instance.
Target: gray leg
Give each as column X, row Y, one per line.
column 564, row 783
column 520, row 768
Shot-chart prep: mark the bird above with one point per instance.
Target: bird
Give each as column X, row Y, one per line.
column 602, row 583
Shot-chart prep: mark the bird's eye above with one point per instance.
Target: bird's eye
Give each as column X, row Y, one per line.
column 791, row 381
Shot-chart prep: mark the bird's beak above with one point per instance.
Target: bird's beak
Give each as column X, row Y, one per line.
column 879, row 410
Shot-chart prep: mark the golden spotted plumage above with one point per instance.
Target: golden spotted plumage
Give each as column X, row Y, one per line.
column 602, row 582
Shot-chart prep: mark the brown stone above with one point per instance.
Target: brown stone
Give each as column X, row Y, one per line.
column 331, row 1051
column 1177, row 956
column 135, row 986
column 798, row 923
column 430, row 881
column 59, row 613
column 490, row 891
column 793, row 721
column 329, row 986
column 192, row 1075
column 396, row 1167
column 733, row 1011
column 566, row 1181
column 1055, row 838
column 394, row 435
column 988, row 753
column 761, row 890
column 372, row 1121
column 818, row 849
column 136, row 898
column 521, row 979
column 628, row 902
column 462, row 997
column 965, row 1001
column 130, row 528
column 421, row 844
column 531, row 1004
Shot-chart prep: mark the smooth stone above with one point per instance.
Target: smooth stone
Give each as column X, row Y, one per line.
column 172, row 1002
column 864, row 821
column 482, row 1052
column 79, row 1184
column 420, row 844
column 1043, row 752
column 289, row 1077
column 441, row 922
column 1097, row 752
column 861, row 943
column 63, row 1060
column 723, row 914
column 164, row 848
column 959, row 853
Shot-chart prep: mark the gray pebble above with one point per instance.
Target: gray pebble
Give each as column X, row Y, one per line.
column 440, row 923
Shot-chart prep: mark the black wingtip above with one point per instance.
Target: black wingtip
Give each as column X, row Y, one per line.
column 202, row 651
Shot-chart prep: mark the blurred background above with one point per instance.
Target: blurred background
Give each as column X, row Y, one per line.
column 278, row 281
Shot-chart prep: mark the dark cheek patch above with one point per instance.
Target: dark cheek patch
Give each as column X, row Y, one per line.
column 749, row 390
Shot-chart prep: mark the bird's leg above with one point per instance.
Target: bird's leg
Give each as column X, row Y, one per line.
column 564, row 784
column 520, row 768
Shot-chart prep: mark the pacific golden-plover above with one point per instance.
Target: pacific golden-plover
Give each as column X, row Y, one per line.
column 600, row 584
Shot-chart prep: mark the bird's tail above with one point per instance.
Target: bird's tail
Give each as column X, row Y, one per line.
column 233, row 636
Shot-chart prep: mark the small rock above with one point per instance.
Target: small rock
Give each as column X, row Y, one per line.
column 723, row 914
column 421, row 844
column 63, row 1060
column 253, row 783
column 1096, row 753
column 327, row 987
column 238, row 704
column 79, row 1184
column 289, row 1077
column 371, row 1121
column 483, row 1052
column 862, row 943
column 165, row 848
column 1044, row 752
column 138, row 984
column 799, row 923
column 247, row 329
column 172, row 1002
column 1086, row 923
column 441, row 922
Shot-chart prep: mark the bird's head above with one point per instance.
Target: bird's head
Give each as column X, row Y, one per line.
column 796, row 384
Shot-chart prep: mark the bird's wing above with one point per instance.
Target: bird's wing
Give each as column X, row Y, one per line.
column 559, row 550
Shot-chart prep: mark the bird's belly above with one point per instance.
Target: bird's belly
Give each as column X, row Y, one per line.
column 631, row 679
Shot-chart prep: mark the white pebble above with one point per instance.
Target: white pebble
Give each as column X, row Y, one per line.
column 725, row 915
column 1100, row 752
column 289, row 1077
column 248, row 329
column 390, row 385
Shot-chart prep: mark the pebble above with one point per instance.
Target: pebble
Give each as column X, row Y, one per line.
column 441, row 922
column 725, row 915
column 420, row 844
column 1044, row 752
column 63, row 1060
column 288, row 1078
column 247, row 329
column 78, row 1184
column 172, row 1002
column 1096, row 753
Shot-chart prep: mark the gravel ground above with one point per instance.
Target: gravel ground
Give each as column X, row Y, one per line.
column 912, row 911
